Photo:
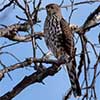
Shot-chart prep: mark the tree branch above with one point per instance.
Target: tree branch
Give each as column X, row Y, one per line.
column 26, row 63
column 33, row 78
column 7, row 5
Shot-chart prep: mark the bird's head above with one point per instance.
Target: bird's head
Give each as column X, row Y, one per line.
column 53, row 9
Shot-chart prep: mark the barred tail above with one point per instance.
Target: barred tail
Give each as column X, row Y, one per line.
column 73, row 79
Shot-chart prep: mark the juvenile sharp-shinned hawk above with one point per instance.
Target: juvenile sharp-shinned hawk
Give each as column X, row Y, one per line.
column 59, row 40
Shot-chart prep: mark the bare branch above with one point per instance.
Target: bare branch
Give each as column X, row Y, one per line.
column 35, row 77
column 7, row 5
column 81, row 3
column 28, row 62
column 92, row 19
column 28, row 80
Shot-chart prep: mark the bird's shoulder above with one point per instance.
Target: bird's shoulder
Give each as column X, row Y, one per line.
column 65, row 28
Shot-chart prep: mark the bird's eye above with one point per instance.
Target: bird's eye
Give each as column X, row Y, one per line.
column 51, row 7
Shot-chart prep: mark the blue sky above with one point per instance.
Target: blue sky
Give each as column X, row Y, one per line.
column 56, row 86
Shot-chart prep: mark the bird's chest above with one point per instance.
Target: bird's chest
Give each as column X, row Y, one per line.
column 53, row 36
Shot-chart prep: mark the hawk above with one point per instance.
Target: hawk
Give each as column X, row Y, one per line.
column 59, row 39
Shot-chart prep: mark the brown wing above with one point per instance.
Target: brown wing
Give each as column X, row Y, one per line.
column 69, row 47
column 67, row 38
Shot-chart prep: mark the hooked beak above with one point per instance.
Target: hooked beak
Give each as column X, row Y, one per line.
column 48, row 10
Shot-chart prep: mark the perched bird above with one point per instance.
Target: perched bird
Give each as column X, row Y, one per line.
column 59, row 39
